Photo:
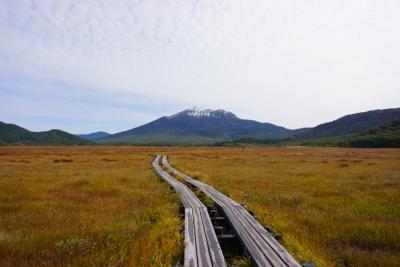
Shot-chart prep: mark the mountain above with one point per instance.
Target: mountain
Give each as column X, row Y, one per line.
column 376, row 128
column 390, row 128
column 195, row 126
column 11, row 134
column 94, row 136
column 385, row 135
column 351, row 124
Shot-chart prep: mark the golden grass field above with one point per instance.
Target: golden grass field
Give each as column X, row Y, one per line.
column 333, row 206
column 85, row 206
column 104, row 206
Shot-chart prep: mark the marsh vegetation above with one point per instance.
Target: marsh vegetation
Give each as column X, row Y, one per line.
column 91, row 206
column 87, row 206
column 331, row 206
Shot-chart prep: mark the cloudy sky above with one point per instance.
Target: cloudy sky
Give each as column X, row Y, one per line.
column 111, row 65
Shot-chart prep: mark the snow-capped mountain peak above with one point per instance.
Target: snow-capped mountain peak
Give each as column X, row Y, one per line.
column 197, row 112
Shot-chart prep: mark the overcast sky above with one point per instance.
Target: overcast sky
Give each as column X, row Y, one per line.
column 90, row 65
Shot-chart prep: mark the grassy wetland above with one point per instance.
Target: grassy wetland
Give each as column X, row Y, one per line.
column 104, row 206
column 85, row 206
column 332, row 206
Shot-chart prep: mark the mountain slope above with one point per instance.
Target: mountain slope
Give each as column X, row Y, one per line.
column 390, row 128
column 194, row 126
column 94, row 136
column 11, row 134
column 352, row 124
column 386, row 135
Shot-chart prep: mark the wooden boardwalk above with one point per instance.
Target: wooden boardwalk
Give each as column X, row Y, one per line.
column 260, row 244
column 201, row 244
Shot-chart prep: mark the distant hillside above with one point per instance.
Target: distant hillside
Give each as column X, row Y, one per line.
column 195, row 126
column 94, row 136
column 389, row 128
column 384, row 135
column 11, row 134
column 352, row 124
column 376, row 128
column 202, row 127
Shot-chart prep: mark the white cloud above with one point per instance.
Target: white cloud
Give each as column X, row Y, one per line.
column 293, row 63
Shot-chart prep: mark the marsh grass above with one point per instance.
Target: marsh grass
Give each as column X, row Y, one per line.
column 104, row 206
column 93, row 206
column 333, row 207
column 241, row 262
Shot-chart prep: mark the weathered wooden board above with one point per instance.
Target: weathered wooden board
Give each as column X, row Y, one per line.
column 201, row 244
column 261, row 245
column 190, row 257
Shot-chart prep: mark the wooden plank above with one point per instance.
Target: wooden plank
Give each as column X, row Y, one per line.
column 201, row 244
column 263, row 248
column 203, row 253
column 190, row 257
column 279, row 250
column 260, row 252
column 214, row 246
column 250, row 245
column 260, row 244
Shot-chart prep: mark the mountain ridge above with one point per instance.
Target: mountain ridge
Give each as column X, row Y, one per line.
column 11, row 134
column 94, row 135
column 204, row 125
column 352, row 123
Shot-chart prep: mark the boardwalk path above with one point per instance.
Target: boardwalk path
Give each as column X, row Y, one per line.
column 262, row 247
column 201, row 243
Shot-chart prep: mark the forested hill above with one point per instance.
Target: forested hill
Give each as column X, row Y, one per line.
column 11, row 134
column 352, row 124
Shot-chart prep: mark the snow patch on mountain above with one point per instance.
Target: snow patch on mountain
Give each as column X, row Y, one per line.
column 200, row 113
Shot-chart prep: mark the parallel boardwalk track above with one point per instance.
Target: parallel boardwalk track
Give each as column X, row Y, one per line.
column 201, row 244
column 260, row 244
